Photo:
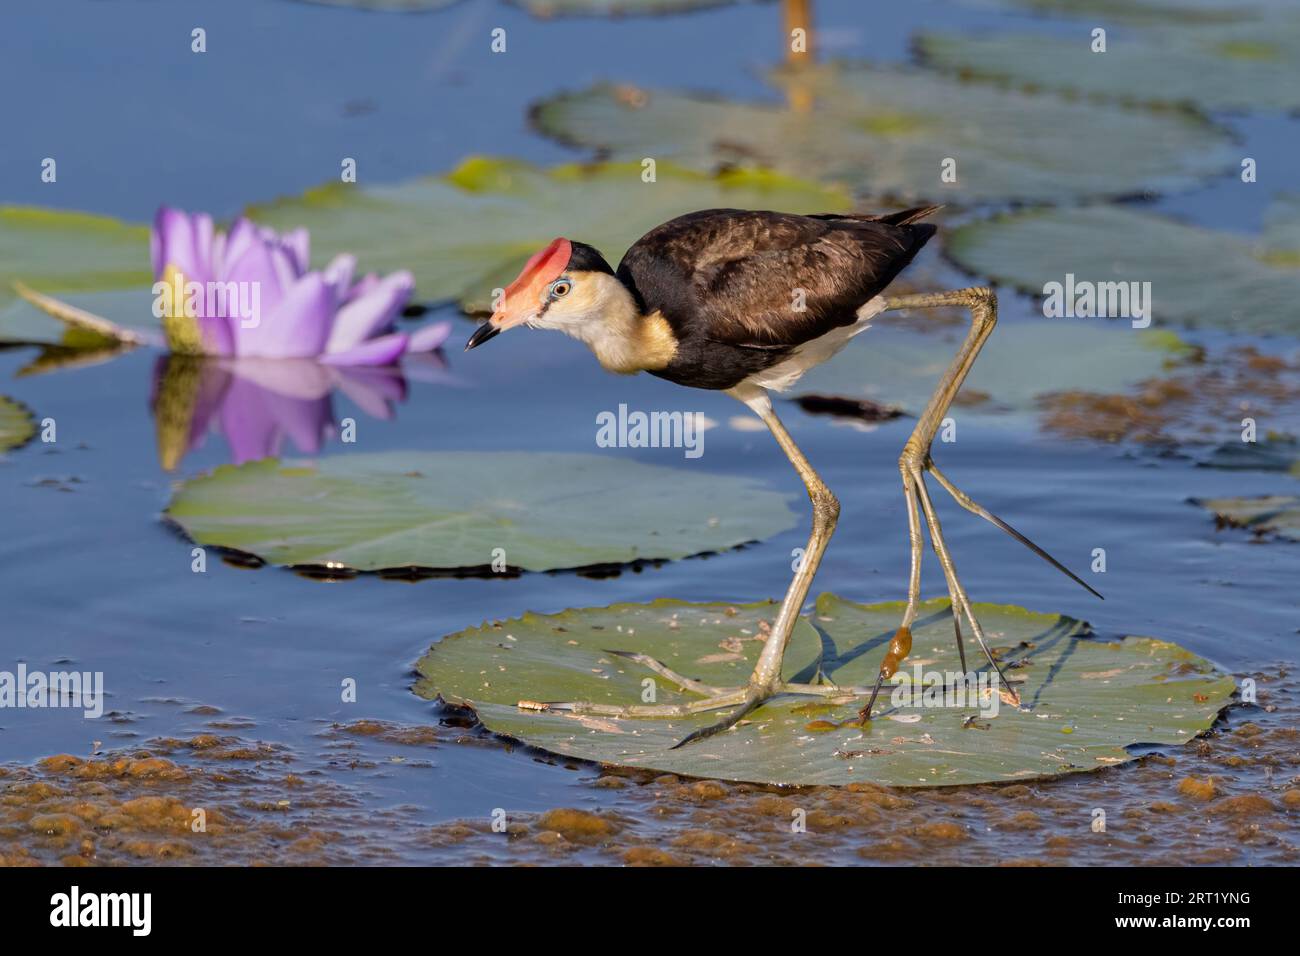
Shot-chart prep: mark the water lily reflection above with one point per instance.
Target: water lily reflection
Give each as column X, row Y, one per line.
column 256, row 404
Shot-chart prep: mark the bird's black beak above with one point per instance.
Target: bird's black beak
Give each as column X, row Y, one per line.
column 484, row 332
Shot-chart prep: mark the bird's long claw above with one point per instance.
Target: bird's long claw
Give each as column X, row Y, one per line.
column 975, row 507
column 726, row 723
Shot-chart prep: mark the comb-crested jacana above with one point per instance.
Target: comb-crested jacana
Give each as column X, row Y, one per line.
column 746, row 302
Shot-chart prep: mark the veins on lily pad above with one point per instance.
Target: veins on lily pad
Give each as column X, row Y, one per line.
column 465, row 510
column 1086, row 701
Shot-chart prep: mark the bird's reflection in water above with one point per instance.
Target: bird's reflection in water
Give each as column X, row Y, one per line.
column 256, row 404
column 797, row 18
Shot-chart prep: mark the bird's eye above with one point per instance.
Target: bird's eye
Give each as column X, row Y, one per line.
column 561, row 288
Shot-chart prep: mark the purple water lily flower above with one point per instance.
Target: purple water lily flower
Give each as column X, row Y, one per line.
column 259, row 299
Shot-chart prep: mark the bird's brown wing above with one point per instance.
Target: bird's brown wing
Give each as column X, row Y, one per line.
column 767, row 280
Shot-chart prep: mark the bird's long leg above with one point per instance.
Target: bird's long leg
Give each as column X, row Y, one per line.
column 900, row 645
column 826, row 512
column 765, row 681
column 982, row 304
column 915, row 461
column 960, row 602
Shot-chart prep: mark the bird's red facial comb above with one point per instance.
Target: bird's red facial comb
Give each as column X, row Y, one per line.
column 523, row 297
column 540, row 271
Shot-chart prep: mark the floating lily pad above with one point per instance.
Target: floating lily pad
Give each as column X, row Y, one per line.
column 469, row 232
column 463, row 234
column 1198, row 276
column 17, row 425
column 887, row 131
column 21, row 321
column 449, row 510
column 1264, row 515
column 1019, row 363
column 1249, row 65
column 1088, row 700
column 56, row 251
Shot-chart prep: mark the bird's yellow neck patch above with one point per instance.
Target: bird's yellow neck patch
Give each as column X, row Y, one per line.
column 634, row 343
column 601, row 312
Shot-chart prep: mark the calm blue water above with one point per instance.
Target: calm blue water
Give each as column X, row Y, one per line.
column 91, row 576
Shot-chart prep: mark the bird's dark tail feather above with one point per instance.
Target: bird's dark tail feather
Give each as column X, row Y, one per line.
column 906, row 216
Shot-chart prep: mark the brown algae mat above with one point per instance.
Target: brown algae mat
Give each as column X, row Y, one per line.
column 1231, row 796
column 208, row 799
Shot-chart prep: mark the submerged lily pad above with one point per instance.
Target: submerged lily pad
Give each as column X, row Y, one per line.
column 56, row 251
column 1263, row 515
column 1271, row 454
column 615, row 8
column 1197, row 403
column 1151, row 11
column 1197, row 276
column 17, row 425
column 469, row 232
column 1019, row 363
column 446, row 510
column 887, row 131
column 386, row 6
column 1249, row 65
column 1087, row 700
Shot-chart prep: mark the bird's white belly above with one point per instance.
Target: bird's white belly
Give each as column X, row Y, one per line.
column 789, row 370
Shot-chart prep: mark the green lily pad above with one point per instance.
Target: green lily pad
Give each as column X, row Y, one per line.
column 463, row 234
column 1249, row 65
column 17, row 424
column 1020, row 362
column 56, row 251
column 1198, row 276
column 448, row 510
column 1087, row 700
column 21, row 321
column 1264, row 515
column 887, row 131
column 469, row 232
